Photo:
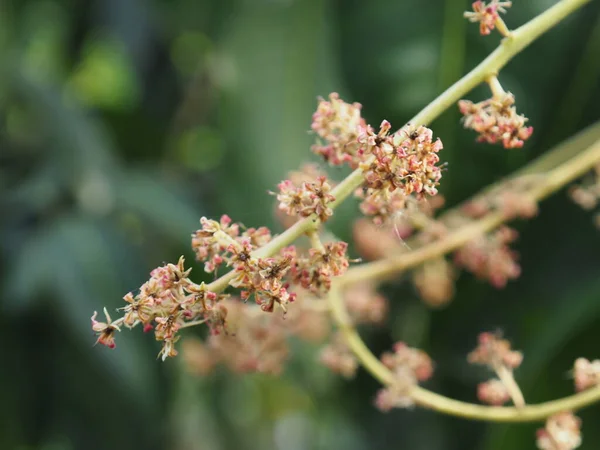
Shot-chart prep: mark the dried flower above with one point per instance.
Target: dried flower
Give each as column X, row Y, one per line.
column 586, row 373
column 487, row 14
column 105, row 330
column 562, row 432
column 496, row 120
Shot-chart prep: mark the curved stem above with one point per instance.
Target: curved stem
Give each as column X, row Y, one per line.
column 520, row 38
column 439, row 403
column 550, row 182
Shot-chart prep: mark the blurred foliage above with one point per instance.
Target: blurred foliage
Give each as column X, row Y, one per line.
column 122, row 122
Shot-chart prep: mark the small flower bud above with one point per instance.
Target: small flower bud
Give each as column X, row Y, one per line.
column 494, row 351
column 493, row 392
column 562, row 432
column 586, row 373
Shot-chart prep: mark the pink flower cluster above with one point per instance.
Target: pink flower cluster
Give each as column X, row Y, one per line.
column 562, row 432
column 586, row 374
column 496, row 120
column 493, row 392
column 256, row 342
column 409, row 366
column 338, row 357
column 402, row 163
column 307, row 199
column 315, row 270
column 338, row 125
column 487, row 14
column 166, row 302
column 489, row 257
column 495, row 353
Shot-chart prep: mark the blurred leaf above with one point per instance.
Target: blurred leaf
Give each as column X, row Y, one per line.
column 158, row 204
column 104, row 77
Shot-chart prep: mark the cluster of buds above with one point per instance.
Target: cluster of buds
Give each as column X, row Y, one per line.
column 401, row 164
column 496, row 120
column 409, row 367
column 562, row 432
column 338, row 125
column 306, row 199
column 495, row 353
column 168, row 301
column 489, row 257
column 487, row 14
column 586, row 374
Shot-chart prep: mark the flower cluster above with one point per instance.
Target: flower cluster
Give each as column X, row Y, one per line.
column 487, row 14
column 255, row 342
column 489, row 257
column 434, row 281
column 365, row 304
column 307, row 199
column 493, row 392
column 167, row 302
column 496, row 353
column 586, row 374
column 493, row 351
column 338, row 357
column 215, row 242
column 402, row 163
column 315, row 270
column 562, row 432
column 409, row 367
column 496, row 120
column 218, row 243
column 338, row 125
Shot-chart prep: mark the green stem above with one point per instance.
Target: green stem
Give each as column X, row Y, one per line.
column 549, row 183
column 439, row 403
column 519, row 39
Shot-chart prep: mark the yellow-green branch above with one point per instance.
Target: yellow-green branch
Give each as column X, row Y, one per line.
column 430, row 400
column 519, row 39
column 546, row 184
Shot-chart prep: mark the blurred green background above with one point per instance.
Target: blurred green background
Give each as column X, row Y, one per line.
column 122, row 122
